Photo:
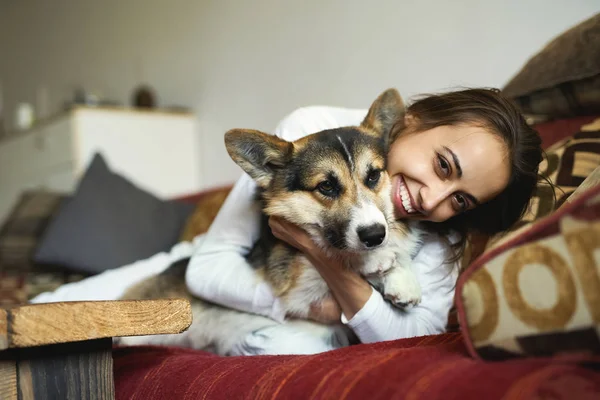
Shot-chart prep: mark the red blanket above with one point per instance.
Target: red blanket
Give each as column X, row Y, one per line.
column 435, row 367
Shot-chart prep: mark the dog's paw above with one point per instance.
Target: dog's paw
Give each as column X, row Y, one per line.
column 377, row 263
column 401, row 288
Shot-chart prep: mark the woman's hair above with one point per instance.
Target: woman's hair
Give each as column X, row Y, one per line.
column 498, row 115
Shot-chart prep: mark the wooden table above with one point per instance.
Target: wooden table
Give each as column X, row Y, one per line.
column 63, row 350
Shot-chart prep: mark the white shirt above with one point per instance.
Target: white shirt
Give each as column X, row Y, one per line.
column 219, row 272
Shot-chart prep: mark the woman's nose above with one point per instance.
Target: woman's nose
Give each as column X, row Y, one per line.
column 433, row 196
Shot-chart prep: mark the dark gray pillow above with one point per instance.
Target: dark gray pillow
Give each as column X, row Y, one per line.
column 108, row 223
column 563, row 78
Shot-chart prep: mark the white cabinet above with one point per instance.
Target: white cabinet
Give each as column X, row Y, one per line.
column 157, row 151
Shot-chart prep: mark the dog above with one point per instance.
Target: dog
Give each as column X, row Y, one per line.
column 332, row 183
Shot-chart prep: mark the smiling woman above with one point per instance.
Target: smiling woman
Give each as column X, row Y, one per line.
column 459, row 162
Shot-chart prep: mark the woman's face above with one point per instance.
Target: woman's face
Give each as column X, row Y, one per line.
column 444, row 171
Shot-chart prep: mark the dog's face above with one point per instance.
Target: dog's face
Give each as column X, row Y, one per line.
column 332, row 183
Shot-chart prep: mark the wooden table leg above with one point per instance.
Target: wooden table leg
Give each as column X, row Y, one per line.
column 8, row 380
column 78, row 370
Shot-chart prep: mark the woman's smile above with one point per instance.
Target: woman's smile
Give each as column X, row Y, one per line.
column 404, row 203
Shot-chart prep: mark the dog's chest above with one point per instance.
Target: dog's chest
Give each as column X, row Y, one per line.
column 307, row 288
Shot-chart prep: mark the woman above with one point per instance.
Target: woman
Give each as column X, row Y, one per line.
column 465, row 161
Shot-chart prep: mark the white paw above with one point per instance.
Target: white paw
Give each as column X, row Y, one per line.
column 377, row 263
column 401, row 288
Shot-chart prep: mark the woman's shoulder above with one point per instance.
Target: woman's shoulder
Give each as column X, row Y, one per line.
column 307, row 120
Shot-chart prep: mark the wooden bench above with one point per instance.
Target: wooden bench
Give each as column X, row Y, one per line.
column 63, row 350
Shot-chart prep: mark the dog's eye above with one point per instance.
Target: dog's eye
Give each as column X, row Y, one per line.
column 326, row 188
column 373, row 178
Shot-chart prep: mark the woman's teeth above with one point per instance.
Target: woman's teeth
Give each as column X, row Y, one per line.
column 405, row 197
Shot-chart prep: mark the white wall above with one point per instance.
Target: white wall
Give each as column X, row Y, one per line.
column 248, row 63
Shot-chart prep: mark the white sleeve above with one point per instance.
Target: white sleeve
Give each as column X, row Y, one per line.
column 378, row 320
column 218, row 270
column 306, row 120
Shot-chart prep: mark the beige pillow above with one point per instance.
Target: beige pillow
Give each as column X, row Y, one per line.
column 537, row 293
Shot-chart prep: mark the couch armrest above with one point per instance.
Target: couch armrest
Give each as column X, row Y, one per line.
column 63, row 322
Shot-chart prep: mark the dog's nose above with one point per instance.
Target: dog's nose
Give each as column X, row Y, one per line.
column 371, row 235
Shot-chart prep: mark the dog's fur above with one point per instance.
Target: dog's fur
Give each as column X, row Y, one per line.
column 332, row 183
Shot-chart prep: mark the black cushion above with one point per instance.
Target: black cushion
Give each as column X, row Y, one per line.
column 108, row 223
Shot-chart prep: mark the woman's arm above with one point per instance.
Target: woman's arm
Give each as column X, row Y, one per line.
column 363, row 309
column 218, row 271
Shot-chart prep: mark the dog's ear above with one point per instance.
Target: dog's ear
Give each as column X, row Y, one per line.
column 385, row 112
column 257, row 153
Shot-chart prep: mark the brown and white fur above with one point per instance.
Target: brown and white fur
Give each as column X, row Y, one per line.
column 332, row 183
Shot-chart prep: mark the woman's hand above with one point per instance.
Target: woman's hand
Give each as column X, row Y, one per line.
column 292, row 235
column 349, row 289
column 327, row 311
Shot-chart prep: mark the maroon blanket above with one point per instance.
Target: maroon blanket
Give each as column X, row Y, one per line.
column 435, row 367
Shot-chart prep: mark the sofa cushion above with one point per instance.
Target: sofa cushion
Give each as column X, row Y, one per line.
column 109, row 222
column 207, row 206
column 591, row 181
column 536, row 291
column 432, row 367
column 563, row 78
column 20, row 277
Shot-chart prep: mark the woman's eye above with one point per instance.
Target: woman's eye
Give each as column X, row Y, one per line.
column 326, row 188
column 444, row 165
column 373, row 178
column 461, row 202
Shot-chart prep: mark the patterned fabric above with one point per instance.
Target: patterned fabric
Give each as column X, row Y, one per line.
column 207, row 206
column 23, row 227
column 552, row 132
column 434, row 367
column 591, row 181
column 537, row 291
column 20, row 278
column 563, row 79
column 568, row 163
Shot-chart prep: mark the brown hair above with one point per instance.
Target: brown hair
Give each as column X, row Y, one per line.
column 489, row 109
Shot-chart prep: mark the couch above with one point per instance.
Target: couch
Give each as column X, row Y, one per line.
column 495, row 347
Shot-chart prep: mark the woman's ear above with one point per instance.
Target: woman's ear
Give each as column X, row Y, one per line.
column 257, row 153
column 408, row 123
column 386, row 112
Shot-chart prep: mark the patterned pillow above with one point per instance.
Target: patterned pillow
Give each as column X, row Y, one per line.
column 20, row 277
column 591, row 181
column 568, row 163
column 537, row 292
